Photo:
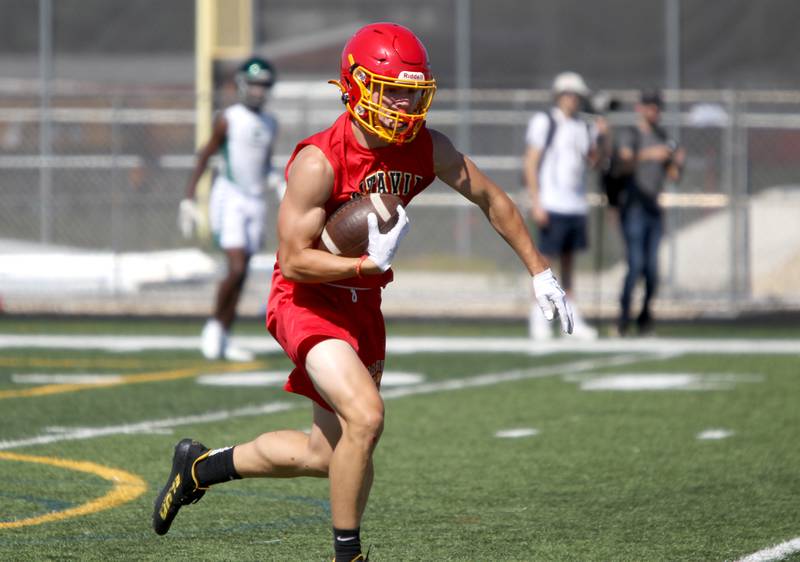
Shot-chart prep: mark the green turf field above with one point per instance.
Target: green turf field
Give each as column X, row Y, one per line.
column 618, row 456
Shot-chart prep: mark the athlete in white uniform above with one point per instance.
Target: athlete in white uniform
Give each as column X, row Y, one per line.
column 244, row 136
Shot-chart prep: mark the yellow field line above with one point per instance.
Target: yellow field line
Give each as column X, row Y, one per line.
column 49, row 389
column 87, row 362
column 127, row 487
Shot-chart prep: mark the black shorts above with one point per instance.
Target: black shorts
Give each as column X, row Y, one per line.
column 563, row 234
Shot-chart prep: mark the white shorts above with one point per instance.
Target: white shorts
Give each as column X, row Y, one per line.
column 237, row 219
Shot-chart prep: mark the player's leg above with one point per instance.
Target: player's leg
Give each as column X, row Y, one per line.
column 575, row 240
column 212, row 337
column 216, row 331
column 566, row 262
column 233, row 241
column 245, row 240
column 651, row 243
column 277, row 454
column 633, row 233
column 366, row 488
column 286, row 454
column 538, row 326
column 580, row 329
column 232, row 236
column 230, row 288
column 340, row 377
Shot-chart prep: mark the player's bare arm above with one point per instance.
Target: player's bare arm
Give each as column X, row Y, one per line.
column 460, row 173
column 218, row 134
column 300, row 222
column 188, row 212
column 530, row 168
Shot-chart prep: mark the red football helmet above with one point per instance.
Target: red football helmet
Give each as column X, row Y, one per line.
column 386, row 81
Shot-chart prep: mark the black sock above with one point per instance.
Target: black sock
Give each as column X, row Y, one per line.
column 346, row 544
column 216, row 467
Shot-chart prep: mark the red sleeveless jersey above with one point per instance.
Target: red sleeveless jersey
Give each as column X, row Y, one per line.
column 404, row 170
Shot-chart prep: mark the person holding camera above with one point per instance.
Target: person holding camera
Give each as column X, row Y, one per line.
column 650, row 158
column 561, row 147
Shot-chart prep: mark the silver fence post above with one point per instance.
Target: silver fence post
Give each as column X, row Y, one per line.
column 116, row 216
column 45, row 122
column 464, row 129
column 742, row 204
column 728, row 181
column 672, row 75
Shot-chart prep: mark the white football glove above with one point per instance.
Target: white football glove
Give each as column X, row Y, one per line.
column 382, row 247
column 551, row 298
column 188, row 216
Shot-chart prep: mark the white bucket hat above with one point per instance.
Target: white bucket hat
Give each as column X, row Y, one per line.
column 570, row 82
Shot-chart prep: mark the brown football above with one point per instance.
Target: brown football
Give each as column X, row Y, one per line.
column 346, row 232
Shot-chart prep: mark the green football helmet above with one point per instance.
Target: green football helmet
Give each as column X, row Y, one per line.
column 253, row 80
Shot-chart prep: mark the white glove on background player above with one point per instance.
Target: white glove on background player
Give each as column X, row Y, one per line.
column 551, row 298
column 188, row 216
column 382, row 247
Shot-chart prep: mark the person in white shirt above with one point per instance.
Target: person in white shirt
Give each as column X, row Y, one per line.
column 244, row 135
column 561, row 147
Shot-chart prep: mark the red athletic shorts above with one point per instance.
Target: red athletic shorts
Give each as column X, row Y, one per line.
column 300, row 315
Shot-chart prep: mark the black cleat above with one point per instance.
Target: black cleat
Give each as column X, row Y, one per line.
column 181, row 487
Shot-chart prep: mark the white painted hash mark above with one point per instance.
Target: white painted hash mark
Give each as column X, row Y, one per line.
column 711, row 434
column 515, row 433
column 777, row 552
column 668, row 381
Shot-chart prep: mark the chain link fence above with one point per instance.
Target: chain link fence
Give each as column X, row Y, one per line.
column 119, row 162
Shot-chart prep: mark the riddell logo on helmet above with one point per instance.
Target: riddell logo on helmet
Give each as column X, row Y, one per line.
column 408, row 75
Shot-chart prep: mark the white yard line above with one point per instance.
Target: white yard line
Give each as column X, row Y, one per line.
column 402, row 345
column 774, row 553
column 58, row 434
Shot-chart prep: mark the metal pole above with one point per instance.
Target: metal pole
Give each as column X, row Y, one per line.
column 45, row 125
column 463, row 131
column 672, row 63
column 116, row 215
column 205, row 40
column 742, row 205
column 728, row 184
column 672, row 81
column 255, row 25
column 463, row 78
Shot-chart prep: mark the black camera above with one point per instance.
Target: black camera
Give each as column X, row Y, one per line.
column 602, row 103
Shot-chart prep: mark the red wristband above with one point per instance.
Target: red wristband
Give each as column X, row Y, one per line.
column 359, row 264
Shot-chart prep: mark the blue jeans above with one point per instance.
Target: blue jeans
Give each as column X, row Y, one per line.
column 642, row 230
